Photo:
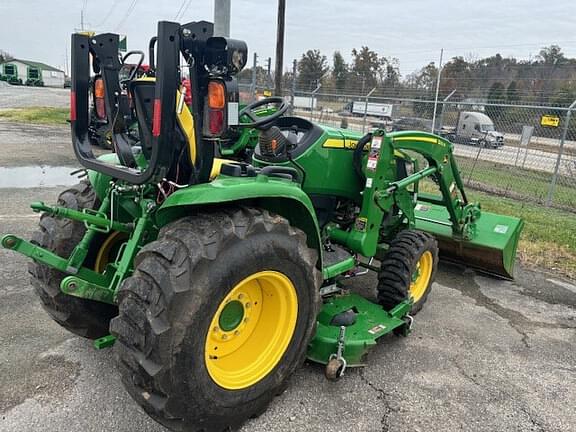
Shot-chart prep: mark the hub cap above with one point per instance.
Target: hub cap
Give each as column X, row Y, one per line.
column 251, row 330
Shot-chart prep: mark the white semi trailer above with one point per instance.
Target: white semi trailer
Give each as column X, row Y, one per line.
column 371, row 109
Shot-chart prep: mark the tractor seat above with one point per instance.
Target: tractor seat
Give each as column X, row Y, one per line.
column 142, row 91
column 301, row 134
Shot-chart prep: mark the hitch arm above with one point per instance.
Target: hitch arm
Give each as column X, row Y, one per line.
column 48, row 258
column 95, row 219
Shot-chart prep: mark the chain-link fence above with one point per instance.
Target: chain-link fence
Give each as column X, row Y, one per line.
column 522, row 152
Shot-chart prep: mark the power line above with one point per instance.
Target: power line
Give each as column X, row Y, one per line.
column 109, row 14
column 183, row 9
column 129, row 11
column 179, row 9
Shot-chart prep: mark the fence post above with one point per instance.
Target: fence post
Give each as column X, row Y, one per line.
column 441, row 119
column 312, row 96
column 366, row 108
column 559, row 159
column 253, row 85
column 293, row 91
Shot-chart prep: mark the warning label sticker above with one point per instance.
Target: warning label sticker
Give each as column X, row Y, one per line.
column 501, row 229
column 421, row 207
column 377, row 329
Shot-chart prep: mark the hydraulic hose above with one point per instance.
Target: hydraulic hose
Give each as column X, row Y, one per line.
column 357, row 157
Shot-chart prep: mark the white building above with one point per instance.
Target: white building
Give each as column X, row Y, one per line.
column 25, row 70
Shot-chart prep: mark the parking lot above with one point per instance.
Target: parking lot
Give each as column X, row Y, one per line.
column 485, row 354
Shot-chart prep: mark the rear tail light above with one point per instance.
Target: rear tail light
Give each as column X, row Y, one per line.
column 216, row 122
column 216, row 95
column 99, row 88
column 99, row 98
column 215, row 117
column 100, row 109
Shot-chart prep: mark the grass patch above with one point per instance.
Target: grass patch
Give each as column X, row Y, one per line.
column 548, row 239
column 533, row 185
column 39, row 115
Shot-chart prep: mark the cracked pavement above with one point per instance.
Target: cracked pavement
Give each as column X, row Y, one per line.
column 485, row 355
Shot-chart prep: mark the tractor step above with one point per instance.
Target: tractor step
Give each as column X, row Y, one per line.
column 337, row 261
column 364, row 323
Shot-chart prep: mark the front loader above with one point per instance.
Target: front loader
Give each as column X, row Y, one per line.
column 212, row 253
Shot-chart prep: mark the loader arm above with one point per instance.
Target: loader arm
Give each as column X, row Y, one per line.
column 488, row 244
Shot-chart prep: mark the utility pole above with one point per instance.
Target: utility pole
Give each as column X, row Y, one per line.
column 280, row 48
column 82, row 19
column 222, row 18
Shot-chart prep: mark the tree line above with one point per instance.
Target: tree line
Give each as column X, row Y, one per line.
column 548, row 78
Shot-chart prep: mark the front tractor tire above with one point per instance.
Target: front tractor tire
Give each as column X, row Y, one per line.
column 86, row 318
column 216, row 317
column 407, row 270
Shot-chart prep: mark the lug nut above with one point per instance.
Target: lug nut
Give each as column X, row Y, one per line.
column 224, row 337
column 215, row 329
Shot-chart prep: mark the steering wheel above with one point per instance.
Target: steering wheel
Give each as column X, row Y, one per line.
column 136, row 68
column 258, row 121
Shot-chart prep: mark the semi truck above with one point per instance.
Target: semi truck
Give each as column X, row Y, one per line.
column 474, row 128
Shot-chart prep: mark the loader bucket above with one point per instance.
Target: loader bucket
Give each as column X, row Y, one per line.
column 492, row 250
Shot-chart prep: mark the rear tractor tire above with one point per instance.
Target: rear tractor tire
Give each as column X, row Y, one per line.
column 86, row 318
column 407, row 270
column 216, row 317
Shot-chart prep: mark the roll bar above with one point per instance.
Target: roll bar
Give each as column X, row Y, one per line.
column 104, row 47
column 208, row 57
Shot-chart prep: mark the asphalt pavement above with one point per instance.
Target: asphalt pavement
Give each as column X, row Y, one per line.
column 485, row 354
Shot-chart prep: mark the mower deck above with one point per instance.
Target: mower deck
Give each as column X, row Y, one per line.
column 367, row 322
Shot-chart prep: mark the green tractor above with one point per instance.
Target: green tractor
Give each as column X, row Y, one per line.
column 212, row 254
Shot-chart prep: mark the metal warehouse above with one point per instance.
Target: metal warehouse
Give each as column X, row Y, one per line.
column 25, row 71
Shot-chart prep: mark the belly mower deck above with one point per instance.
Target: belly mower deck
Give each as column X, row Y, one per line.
column 348, row 326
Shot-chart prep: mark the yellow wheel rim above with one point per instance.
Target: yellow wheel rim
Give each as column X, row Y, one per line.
column 251, row 330
column 104, row 255
column 421, row 277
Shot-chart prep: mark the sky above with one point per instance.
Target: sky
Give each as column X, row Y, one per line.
column 413, row 31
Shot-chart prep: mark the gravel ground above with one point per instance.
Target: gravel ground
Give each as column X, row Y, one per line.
column 23, row 97
column 485, row 354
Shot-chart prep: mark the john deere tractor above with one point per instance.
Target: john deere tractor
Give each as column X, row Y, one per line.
column 212, row 254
